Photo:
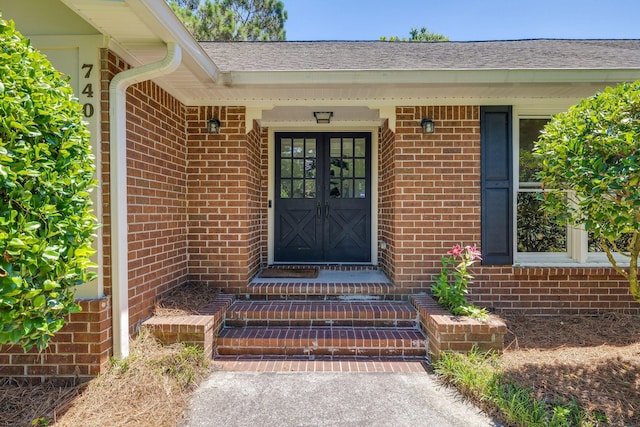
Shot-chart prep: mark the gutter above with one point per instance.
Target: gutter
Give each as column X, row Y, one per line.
column 118, row 182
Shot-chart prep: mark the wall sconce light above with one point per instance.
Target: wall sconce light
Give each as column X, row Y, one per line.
column 427, row 126
column 323, row 116
column 213, row 126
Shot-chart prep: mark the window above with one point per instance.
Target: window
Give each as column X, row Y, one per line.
column 514, row 229
column 537, row 238
column 535, row 233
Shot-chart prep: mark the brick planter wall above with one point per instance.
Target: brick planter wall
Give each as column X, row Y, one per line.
column 199, row 329
column 449, row 333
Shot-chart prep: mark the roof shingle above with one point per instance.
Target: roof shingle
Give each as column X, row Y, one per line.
column 377, row 55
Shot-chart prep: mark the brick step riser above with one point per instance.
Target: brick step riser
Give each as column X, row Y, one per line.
column 378, row 323
column 310, row 297
column 322, row 351
column 300, row 349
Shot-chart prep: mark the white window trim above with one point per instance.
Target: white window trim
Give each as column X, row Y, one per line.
column 577, row 254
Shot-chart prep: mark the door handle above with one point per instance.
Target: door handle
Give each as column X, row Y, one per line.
column 318, row 210
column 326, row 211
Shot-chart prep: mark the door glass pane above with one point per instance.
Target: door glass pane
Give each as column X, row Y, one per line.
column 285, row 147
column 311, row 148
column 298, row 188
column 347, row 189
column 298, row 168
column 347, row 168
column 347, row 147
column 298, row 148
column 310, row 168
column 285, row 168
column 335, row 168
column 336, row 147
column 360, row 170
column 334, row 191
column 310, row 188
column 360, row 147
column 285, row 189
column 361, row 189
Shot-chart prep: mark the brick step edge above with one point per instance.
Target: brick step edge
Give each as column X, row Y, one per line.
column 322, row 313
column 283, row 290
column 322, row 341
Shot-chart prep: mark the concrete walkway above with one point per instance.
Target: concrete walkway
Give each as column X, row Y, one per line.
column 381, row 397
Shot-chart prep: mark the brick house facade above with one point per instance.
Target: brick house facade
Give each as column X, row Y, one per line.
column 199, row 205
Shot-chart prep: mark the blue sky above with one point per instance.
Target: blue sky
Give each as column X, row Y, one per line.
column 462, row 20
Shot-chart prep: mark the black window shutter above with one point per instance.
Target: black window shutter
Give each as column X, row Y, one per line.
column 497, row 185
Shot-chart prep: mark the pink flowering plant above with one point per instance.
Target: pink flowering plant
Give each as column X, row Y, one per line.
column 450, row 288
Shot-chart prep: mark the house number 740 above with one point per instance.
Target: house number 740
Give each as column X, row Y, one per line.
column 88, row 90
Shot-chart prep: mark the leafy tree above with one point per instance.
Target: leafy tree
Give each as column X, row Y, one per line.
column 46, row 173
column 421, row 35
column 230, row 20
column 591, row 155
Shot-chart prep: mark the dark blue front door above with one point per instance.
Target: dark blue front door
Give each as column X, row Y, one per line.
column 323, row 198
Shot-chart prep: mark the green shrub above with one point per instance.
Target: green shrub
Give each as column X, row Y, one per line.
column 590, row 156
column 46, row 174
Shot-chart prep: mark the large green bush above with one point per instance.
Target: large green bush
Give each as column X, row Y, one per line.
column 591, row 156
column 46, row 174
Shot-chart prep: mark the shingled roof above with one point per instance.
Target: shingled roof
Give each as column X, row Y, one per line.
column 377, row 55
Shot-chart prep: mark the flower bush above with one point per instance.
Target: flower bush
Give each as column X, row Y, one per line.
column 452, row 294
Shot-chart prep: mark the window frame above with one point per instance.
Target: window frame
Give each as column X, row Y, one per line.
column 530, row 187
column 577, row 253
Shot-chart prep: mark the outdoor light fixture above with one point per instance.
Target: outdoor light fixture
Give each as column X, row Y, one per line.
column 323, row 116
column 213, row 125
column 427, row 126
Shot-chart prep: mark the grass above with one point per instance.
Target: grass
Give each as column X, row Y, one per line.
column 479, row 377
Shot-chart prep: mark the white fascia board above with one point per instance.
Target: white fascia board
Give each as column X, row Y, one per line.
column 249, row 78
column 169, row 22
column 389, row 103
column 162, row 24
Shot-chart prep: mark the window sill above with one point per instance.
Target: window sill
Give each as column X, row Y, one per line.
column 566, row 264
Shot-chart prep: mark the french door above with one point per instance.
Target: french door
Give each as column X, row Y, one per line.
column 323, row 197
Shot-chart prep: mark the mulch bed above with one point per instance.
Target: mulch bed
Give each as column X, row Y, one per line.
column 592, row 360
column 185, row 300
column 21, row 404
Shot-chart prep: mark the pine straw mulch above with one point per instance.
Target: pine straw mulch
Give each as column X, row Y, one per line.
column 21, row 404
column 151, row 387
column 185, row 300
column 592, row 360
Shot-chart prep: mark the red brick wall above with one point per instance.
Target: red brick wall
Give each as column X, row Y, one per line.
column 157, row 202
column 257, row 198
column 426, row 220
column 552, row 291
column 436, row 189
column 222, row 198
column 78, row 352
column 386, row 200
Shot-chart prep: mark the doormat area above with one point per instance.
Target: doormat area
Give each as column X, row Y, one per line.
column 289, row 273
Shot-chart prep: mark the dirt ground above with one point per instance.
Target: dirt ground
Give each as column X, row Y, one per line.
column 593, row 360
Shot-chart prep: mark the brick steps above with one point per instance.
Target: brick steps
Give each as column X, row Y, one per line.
column 325, row 341
column 322, row 328
column 321, row 313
